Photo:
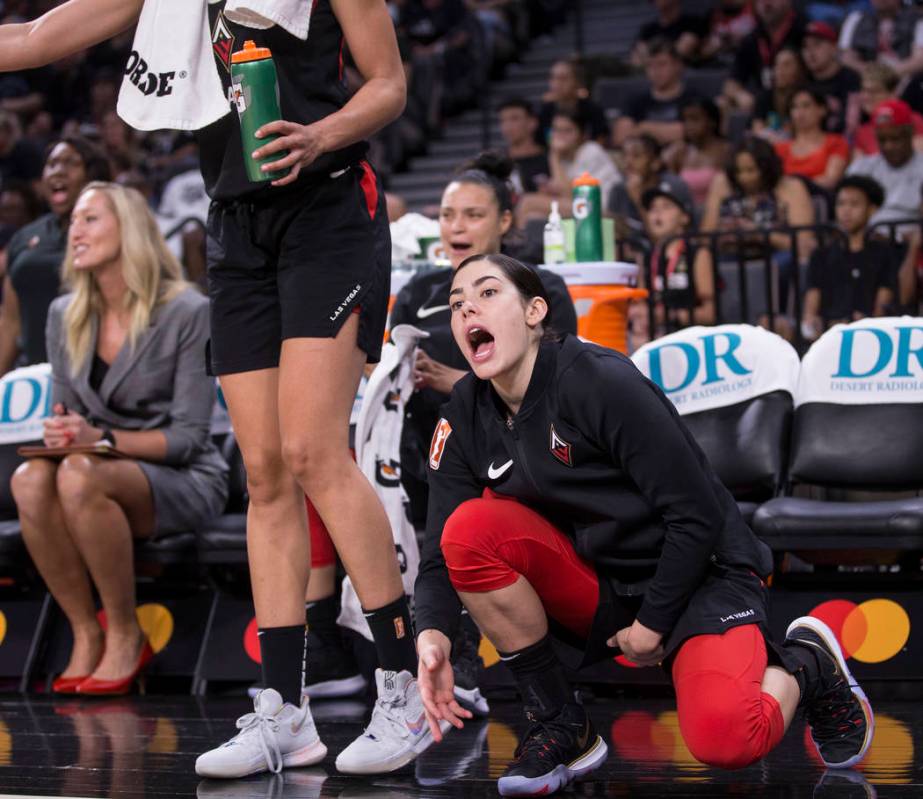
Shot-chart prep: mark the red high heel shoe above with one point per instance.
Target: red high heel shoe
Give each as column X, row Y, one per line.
column 67, row 685
column 96, row 687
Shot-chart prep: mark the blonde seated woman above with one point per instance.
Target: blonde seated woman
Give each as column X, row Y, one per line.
column 127, row 351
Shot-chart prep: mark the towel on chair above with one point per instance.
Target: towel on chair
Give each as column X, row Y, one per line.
column 171, row 80
column 378, row 453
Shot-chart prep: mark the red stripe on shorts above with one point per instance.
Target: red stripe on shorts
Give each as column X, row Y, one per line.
column 370, row 188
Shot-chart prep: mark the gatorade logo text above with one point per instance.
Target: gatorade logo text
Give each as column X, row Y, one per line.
column 581, row 208
column 147, row 81
column 237, row 97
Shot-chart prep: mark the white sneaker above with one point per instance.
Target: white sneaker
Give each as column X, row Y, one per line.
column 397, row 733
column 472, row 699
column 273, row 736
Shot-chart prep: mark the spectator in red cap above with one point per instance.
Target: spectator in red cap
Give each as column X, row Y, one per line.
column 896, row 167
column 879, row 83
column 839, row 85
column 890, row 33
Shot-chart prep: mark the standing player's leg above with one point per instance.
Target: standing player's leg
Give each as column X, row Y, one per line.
column 318, row 383
column 278, row 551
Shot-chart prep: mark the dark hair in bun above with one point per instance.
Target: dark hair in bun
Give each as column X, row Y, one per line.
column 493, row 170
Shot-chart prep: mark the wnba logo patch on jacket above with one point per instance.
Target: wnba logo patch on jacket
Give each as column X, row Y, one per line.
column 437, row 447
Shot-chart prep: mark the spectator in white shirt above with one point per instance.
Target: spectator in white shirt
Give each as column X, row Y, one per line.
column 571, row 152
column 896, row 166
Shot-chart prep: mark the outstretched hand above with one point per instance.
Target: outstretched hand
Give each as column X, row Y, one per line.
column 437, row 682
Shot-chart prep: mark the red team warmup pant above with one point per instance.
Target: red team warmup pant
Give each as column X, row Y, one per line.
column 322, row 550
column 323, row 553
column 724, row 716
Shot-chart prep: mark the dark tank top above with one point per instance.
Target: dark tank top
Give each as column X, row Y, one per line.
column 311, row 86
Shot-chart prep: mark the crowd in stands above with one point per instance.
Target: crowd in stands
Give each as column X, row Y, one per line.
column 756, row 115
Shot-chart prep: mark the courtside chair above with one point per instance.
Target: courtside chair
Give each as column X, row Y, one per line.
column 858, row 427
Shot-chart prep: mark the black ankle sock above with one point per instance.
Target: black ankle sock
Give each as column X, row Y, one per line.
column 541, row 679
column 282, row 654
column 321, row 616
column 808, row 675
column 393, row 636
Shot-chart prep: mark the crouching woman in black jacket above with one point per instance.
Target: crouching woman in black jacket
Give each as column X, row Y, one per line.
column 552, row 450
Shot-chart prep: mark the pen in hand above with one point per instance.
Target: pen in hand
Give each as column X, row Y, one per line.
column 60, row 409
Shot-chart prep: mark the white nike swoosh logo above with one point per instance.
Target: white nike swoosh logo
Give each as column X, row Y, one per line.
column 422, row 313
column 493, row 473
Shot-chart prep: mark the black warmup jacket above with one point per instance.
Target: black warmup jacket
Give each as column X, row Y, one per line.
column 599, row 451
column 424, row 303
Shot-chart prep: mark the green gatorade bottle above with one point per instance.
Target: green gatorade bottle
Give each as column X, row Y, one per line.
column 588, row 231
column 255, row 92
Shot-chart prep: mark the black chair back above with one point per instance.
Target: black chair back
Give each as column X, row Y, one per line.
column 746, row 443
column 875, row 447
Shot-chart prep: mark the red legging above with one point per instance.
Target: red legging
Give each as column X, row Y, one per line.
column 323, row 553
column 322, row 549
column 724, row 716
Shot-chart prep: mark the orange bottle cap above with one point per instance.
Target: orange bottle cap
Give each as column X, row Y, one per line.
column 250, row 53
column 586, row 179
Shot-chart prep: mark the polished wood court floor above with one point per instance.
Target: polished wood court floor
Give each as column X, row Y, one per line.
column 146, row 747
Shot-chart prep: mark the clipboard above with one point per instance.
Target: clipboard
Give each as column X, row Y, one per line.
column 101, row 449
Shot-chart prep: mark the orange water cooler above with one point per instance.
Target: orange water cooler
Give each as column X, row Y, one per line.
column 602, row 291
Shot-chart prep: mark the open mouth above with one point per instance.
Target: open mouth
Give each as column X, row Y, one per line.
column 481, row 342
column 461, row 246
column 58, row 192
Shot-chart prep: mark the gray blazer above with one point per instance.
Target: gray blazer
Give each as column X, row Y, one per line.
column 159, row 385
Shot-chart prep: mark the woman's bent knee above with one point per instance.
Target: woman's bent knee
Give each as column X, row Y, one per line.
column 470, row 525
column 78, row 479
column 33, row 484
column 723, row 732
column 723, row 753
column 471, row 551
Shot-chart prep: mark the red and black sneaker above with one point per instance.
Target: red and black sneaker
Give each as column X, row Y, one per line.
column 553, row 753
column 837, row 709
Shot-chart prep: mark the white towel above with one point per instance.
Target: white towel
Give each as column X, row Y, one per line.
column 378, row 452
column 171, row 80
column 292, row 15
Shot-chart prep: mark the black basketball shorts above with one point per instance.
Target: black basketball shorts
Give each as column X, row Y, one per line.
column 296, row 266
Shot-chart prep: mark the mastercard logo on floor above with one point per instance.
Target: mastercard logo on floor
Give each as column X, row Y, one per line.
column 870, row 632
